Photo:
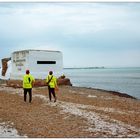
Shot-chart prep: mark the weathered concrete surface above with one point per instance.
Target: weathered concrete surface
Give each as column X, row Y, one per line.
column 4, row 65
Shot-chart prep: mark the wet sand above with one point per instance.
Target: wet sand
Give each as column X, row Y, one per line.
column 78, row 113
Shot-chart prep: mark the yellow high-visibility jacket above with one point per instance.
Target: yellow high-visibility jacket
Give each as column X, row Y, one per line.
column 28, row 81
column 53, row 82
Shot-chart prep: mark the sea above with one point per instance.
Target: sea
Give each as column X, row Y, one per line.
column 123, row 80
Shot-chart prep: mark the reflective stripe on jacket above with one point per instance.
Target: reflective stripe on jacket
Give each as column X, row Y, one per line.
column 53, row 82
column 28, row 81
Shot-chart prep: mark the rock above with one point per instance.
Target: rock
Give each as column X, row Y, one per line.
column 38, row 82
column 63, row 81
column 18, row 83
column 14, row 83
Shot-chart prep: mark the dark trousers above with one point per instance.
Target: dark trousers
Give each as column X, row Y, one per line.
column 51, row 91
column 26, row 90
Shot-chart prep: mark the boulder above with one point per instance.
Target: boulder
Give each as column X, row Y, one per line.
column 38, row 82
column 62, row 80
column 14, row 83
column 18, row 83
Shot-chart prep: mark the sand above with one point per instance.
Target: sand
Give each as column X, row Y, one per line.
column 78, row 113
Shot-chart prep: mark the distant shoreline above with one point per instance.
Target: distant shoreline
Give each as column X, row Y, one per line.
column 102, row 67
column 86, row 68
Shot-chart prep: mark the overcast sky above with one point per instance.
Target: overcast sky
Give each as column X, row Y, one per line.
column 88, row 34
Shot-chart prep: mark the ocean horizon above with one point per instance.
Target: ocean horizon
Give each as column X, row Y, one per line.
column 120, row 79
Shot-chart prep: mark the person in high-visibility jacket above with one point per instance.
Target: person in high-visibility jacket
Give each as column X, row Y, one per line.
column 28, row 81
column 52, row 84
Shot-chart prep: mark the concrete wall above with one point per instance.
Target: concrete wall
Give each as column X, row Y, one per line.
column 19, row 62
column 27, row 59
column 41, row 70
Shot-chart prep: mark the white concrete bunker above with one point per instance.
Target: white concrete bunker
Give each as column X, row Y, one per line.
column 39, row 62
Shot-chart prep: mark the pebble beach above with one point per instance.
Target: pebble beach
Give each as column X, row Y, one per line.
column 78, row 113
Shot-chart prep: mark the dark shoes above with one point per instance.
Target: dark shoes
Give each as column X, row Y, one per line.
column 29, row 102
column 54, row 100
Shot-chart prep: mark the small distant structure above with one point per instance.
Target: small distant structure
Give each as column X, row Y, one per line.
column 39, row 62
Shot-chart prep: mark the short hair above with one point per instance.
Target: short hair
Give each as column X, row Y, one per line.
column 27, row 71
column 50, row 72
